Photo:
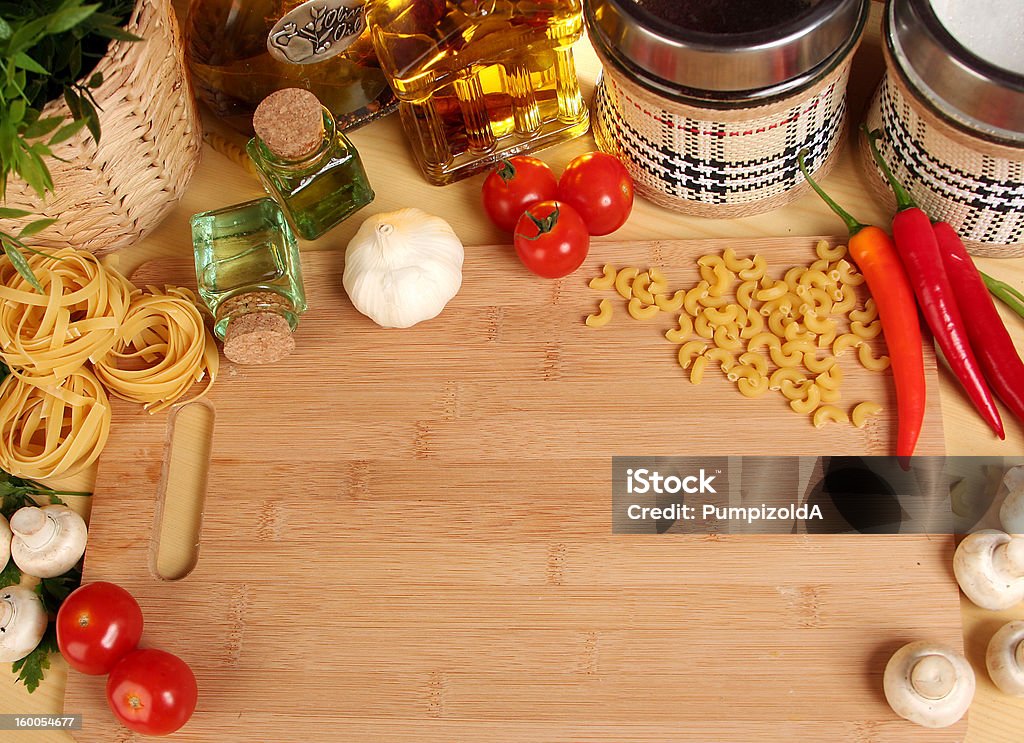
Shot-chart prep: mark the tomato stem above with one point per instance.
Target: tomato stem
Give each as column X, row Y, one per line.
column 506, row 171
column 544, row 225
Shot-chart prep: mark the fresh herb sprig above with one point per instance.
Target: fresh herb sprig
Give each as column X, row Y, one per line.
column 15, row 493
column 48, row 48
column 31, row 669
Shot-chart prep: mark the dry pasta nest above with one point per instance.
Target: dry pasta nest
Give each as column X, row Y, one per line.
column 75, row 319
column 90, row 332
column 52, row 430
column 161, row 350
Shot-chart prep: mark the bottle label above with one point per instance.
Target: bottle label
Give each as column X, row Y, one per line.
column 316, row 30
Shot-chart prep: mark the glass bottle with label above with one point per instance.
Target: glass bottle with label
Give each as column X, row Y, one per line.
column 312, row 169
column 249, row 275
column 480, row 80
column 241, row 52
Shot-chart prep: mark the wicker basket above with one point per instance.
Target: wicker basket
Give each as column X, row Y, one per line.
column 107, row 197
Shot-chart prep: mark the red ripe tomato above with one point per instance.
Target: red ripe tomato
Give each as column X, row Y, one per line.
column 598, row 186
column 514, row 186
column 97, row 625
column 152, row 692
column 551, row 239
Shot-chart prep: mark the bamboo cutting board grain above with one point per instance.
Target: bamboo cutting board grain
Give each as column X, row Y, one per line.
column 407, row 536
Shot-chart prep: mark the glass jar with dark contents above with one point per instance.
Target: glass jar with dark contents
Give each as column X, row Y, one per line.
column 708, row 102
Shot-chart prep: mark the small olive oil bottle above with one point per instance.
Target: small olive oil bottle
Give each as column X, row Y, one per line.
column 306, row 163
column 249, row 275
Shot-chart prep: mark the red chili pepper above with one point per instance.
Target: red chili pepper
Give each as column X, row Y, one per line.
column 873, row 251
column 990, row 340
column 919, row 250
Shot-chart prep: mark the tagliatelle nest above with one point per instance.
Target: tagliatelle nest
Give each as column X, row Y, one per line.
column 75, row 320
column 161, row 350
column 91, row 331
column 50, row 430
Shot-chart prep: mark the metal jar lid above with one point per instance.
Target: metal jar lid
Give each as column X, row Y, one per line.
column 648, row 40
column 970, row 91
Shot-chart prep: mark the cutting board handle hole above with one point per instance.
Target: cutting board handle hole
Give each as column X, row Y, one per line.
column 182, row 493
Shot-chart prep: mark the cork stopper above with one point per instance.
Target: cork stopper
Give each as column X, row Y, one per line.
column 258, row 338
column 290, row 122
column 256, row 334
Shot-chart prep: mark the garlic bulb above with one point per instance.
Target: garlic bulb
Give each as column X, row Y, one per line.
column 403, row 267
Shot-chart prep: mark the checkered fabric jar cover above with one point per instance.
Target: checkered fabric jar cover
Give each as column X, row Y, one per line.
column 720, row 163
column 975, row 185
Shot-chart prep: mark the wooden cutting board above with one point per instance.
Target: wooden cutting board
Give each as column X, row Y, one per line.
column 407, row 536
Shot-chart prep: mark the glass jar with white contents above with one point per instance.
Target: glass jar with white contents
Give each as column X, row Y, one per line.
column 951, row 112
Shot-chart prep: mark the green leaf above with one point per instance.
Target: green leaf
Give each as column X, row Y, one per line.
column 35, row 154
column 75, row 59
column 74, row 102
column 53, row 591
column 10, row 575
column 5, row 30
column 65, row 20
column 15, row 497
column 92, row 119
column 96, row 80
column 16, row 111
column 33, row 228
column 26, row 62
column 27, row 34
column 8, row 213
column 30, row 170
column 21, row 265
column 31, row 668
column 66, row 132
column 118, row 34
column 42, row 127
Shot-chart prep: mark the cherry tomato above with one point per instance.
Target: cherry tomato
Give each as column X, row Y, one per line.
column 598, row 186
column 551, row 239
column 152, row 692
column 514, row 186
column 97, row 625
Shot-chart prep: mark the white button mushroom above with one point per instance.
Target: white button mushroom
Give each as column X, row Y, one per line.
column 989, row 566
column 5, row 542
column 1005, row 658
column 929, row 684
column 1011, row 512
column 22, row 622
column 47, row 541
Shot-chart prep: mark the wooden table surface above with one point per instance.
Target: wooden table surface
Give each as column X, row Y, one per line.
column 219, row 181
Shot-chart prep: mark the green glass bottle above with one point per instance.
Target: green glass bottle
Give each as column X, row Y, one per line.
column 306, row 164
column 249, row 275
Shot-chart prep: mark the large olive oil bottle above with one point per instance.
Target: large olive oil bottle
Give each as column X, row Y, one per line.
column 480, row 80
column 241, row 51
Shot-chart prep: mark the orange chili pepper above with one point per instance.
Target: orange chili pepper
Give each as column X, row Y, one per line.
column 875, row 254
